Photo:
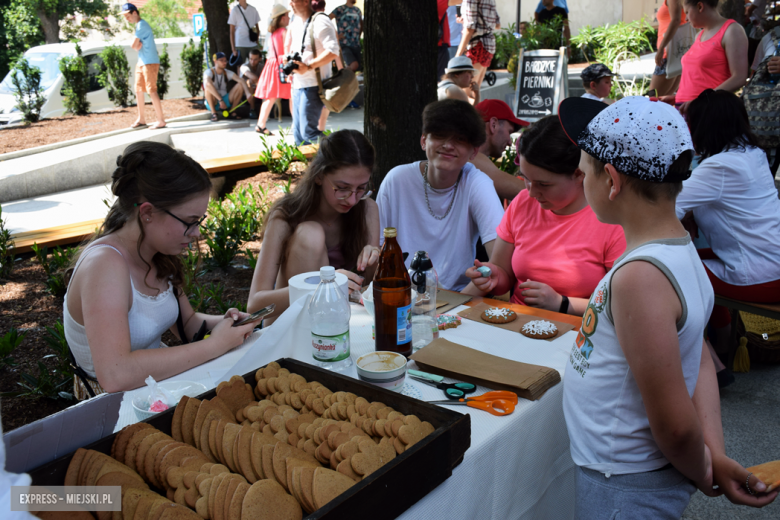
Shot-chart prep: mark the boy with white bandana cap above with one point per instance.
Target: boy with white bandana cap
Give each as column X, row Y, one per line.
column 640, row 393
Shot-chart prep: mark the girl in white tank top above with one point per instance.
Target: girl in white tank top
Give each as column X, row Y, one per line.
column 112, row 324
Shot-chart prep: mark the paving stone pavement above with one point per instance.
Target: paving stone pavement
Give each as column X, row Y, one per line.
column 750, row 409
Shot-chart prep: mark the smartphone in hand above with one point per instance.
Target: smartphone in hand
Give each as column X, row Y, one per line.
column 257, row 316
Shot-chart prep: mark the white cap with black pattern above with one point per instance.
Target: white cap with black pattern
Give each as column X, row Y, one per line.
column 639, row 137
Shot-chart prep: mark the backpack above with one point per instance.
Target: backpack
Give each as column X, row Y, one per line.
column 762, row 103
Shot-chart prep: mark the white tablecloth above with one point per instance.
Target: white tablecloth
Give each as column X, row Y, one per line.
column 518, row 466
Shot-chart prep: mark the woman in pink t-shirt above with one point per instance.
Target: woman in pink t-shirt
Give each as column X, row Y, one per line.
column 551, row 248
column 718, row 57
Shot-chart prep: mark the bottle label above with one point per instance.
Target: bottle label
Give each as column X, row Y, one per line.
column 404, row 325
column 330, row 348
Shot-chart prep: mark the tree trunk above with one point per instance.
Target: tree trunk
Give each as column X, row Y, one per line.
column 400, row 78
column 50, row 23
column 734, row 9
column 217, row 13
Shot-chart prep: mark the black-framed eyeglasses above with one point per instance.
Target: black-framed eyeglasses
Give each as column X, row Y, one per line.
column 187, row 225
column 345, row 193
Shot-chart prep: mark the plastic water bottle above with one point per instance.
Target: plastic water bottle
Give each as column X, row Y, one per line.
column 329, row 314
column 425, row 281
column 774, row 78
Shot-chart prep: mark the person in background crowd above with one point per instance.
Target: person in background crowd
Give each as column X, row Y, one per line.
column 755, row 25
column 329, row 219
column 443, row 45
column 349, row 22
column 307, row 105
column 551, row 248
column 215, row 83
column 243, row 20
column 443, row 205
column 146, row 69
column 731, row 199
column 718, row 57
column 270, row 87
column 557, row 3
column 456, row 29
column 654, row 434
column 126, row 286
column 670, row 15
column 766, row 50
column 249, row 73
column 459, row 76
column 521, row 27
column 318, row 6
column 480, row 19
column 597, row 80
column 548, row 14
column 500, row 123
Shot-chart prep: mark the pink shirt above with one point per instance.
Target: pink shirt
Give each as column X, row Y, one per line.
column 704, row 66
column 570, row 253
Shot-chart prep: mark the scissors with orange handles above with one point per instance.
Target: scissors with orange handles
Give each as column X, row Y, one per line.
column 499, row 402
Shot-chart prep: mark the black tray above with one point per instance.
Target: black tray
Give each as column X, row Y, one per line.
column 387, row 492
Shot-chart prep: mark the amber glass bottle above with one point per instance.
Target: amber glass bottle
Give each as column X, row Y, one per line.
column 392, row 299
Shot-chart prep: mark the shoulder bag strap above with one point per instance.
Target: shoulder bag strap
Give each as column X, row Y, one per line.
column 314, row 51
column 273, row 44
column 243, row 16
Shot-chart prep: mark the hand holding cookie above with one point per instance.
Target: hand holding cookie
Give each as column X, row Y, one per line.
column 730, row 477
column 538, row 294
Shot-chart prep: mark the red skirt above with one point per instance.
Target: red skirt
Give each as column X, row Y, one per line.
column 269, row 86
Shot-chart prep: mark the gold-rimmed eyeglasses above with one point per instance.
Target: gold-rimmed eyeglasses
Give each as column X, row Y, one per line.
column 345, row 193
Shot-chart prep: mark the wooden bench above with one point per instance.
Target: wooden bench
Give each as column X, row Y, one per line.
column 72, row 233
column 768, row 310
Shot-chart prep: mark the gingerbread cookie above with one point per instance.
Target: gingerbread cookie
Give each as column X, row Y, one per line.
column 498, row 315
column 539, row 329
column 447, row 321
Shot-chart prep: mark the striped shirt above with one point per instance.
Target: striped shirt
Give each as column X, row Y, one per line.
column 481, row 15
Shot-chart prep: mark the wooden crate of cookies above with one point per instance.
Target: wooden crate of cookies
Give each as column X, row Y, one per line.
column 285, row 441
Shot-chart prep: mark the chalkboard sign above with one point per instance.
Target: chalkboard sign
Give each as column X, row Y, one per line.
column 542, row 83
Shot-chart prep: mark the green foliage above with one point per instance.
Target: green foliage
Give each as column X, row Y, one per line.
column 164, row 17
column 55, row 266
column 164, row 75
column 286, row 187
column 192, row 271
column 611, row 43
column 28, row 93
column 192, row 66
column 6, row 249
column 76, row 28
column 548, row 35
column 115, row 77
column 251, row 258
column 76, row 83
column 507, row 45
column 215, row 293
column 287, row 153
column 56, row 340
column 48, row 384
column 20, row 29
column 231, row 222
column 8, row 343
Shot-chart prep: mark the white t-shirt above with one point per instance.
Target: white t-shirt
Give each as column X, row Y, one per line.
column 734, row 201
column 246, row 68
column 325, row 39
column 588, row 95
column 242, row 31
column 219, row 79
column 451, row 242
column 766, row 47
column 606, row 417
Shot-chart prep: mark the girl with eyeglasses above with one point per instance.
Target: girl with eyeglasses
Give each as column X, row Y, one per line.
column 328, row 219
column 125, row 289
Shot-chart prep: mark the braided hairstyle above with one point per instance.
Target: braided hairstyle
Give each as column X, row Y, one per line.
column 162, row 175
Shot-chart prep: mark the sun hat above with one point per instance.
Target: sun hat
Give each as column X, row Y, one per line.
column 595, row 72
column 639, row 137
column 459, row 64
column 490, row 108
column 278, row 10
column 128, row 8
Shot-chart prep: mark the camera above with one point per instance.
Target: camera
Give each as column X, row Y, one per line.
column 289, row 65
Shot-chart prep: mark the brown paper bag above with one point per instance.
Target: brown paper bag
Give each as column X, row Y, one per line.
column 448, row 300
column 449, row 359
column 476, row 311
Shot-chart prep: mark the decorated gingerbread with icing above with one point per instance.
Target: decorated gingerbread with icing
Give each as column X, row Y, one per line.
column 498, row 315
column 539, row 329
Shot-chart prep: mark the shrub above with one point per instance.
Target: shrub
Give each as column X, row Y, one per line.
column 6, row 249
column 115, row 77
column 231, row 222
column 48, row 384
column 166, row 17
column 547, row 35
column 55, row 267
column 612, row 43
column 28, row 93
column 285, row 154
column 192, row 66
column 507, row 45
column 56, row 340
column 8, row 344
column 76, row 83
column 164, row 75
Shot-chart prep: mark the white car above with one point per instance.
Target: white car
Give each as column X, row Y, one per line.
column 47, row 57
